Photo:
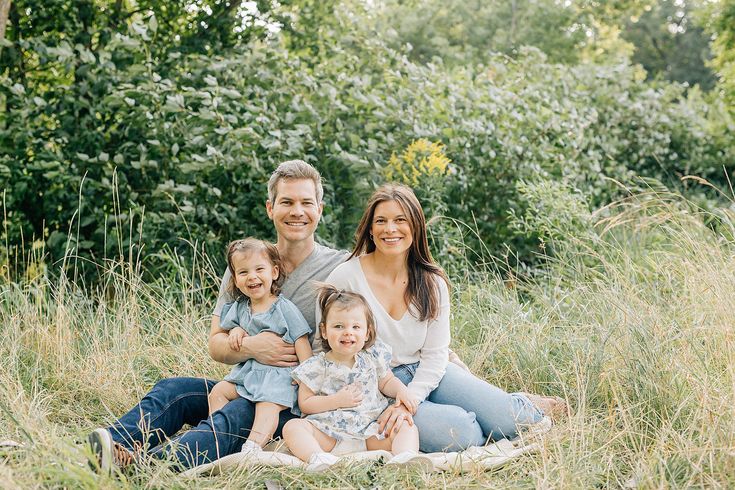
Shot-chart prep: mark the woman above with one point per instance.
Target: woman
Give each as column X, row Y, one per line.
column 409, row 294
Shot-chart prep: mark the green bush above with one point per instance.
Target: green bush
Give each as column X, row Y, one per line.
column 103, row 150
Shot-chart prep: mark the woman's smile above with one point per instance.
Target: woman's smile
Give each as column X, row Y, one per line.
column 390, row 228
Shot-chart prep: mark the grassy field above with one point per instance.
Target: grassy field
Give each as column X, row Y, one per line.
column 632, row 322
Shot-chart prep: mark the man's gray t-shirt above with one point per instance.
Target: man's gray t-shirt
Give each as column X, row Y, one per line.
column 298, row 286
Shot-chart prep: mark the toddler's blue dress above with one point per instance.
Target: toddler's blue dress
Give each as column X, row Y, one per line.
column 259, row 382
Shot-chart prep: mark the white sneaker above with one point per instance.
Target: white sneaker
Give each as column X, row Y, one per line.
column 251, row 448
column 410, row 459
column 320, row 462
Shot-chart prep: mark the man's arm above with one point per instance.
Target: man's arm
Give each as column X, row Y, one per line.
column 266, row 348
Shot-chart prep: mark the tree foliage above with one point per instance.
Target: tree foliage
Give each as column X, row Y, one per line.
column 668, row 44
column 461, row 32
column 719, row 19
column 119, row 135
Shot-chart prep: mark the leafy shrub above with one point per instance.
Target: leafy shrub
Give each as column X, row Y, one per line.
column 106, row 148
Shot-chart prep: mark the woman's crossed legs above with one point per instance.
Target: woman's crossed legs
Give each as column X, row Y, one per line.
column 466, row 411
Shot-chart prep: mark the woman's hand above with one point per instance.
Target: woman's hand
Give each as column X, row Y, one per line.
column 348, row 397
column 393, row 418
column 235, row 338
column 405, row 398
column 454, row 358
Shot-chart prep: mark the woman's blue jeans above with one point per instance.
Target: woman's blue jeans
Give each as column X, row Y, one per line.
column 175, row 402
column 466, row 411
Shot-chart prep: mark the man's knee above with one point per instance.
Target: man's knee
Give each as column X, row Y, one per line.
column 169, row 385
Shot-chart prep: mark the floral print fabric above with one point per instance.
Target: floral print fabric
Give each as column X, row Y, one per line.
column 325, row 377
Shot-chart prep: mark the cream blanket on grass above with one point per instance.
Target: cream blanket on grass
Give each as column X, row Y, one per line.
column 477, row 457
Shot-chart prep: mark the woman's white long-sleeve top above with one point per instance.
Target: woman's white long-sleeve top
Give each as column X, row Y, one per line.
column 425, row 342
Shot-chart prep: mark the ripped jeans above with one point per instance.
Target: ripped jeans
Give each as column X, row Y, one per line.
column 466, row 411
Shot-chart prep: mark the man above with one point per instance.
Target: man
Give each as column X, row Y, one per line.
column 295, row 206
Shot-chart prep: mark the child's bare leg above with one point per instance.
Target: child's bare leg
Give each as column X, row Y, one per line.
column 222, row 393
column 404, row 445
column 265, row 422
column 405, row 439
column 305, row 440
column 375, row 444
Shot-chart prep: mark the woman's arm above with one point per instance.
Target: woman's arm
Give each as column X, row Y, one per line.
column 434, row 354
column 455, row 359
column 348, row 397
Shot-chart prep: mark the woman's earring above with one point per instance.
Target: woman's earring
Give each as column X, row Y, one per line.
column 371, row 236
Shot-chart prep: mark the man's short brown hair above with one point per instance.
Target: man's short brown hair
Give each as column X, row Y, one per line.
column 295, row 169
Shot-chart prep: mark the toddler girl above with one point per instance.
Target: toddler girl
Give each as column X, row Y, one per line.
column 342, row 390
column 256, row 279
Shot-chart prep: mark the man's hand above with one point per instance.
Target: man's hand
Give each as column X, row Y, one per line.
column 348, row 397
column 235, row 338
column 393, row 418
column 269, row 348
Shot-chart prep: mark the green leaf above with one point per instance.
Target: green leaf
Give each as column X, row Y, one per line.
column 153, row 24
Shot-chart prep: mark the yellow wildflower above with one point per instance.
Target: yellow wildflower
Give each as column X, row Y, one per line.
column 420, row 158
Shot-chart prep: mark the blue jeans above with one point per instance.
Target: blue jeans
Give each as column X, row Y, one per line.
column 175, row 402
column 466, row 411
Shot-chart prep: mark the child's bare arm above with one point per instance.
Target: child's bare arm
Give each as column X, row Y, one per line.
column 235, row 338
column 303, row 348
column 309, row 403
column 392, row 387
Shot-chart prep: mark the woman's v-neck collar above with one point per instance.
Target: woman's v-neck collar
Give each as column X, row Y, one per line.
column 370, row 289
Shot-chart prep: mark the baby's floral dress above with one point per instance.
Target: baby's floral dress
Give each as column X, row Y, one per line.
column 325, row 377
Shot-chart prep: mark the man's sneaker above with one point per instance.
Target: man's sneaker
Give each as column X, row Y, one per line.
column 110, row 455
column 409, row 459
column 320, row 462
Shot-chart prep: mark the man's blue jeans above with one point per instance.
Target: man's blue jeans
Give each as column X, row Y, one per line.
column 175, row 402
column 466, row 411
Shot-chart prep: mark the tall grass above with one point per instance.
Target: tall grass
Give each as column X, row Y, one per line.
column 632, row 322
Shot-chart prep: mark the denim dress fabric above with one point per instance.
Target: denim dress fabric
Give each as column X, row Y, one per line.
column 259, row 382
column 325, row 377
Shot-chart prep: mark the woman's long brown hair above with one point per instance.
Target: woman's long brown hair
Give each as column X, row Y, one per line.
column 422, row 291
